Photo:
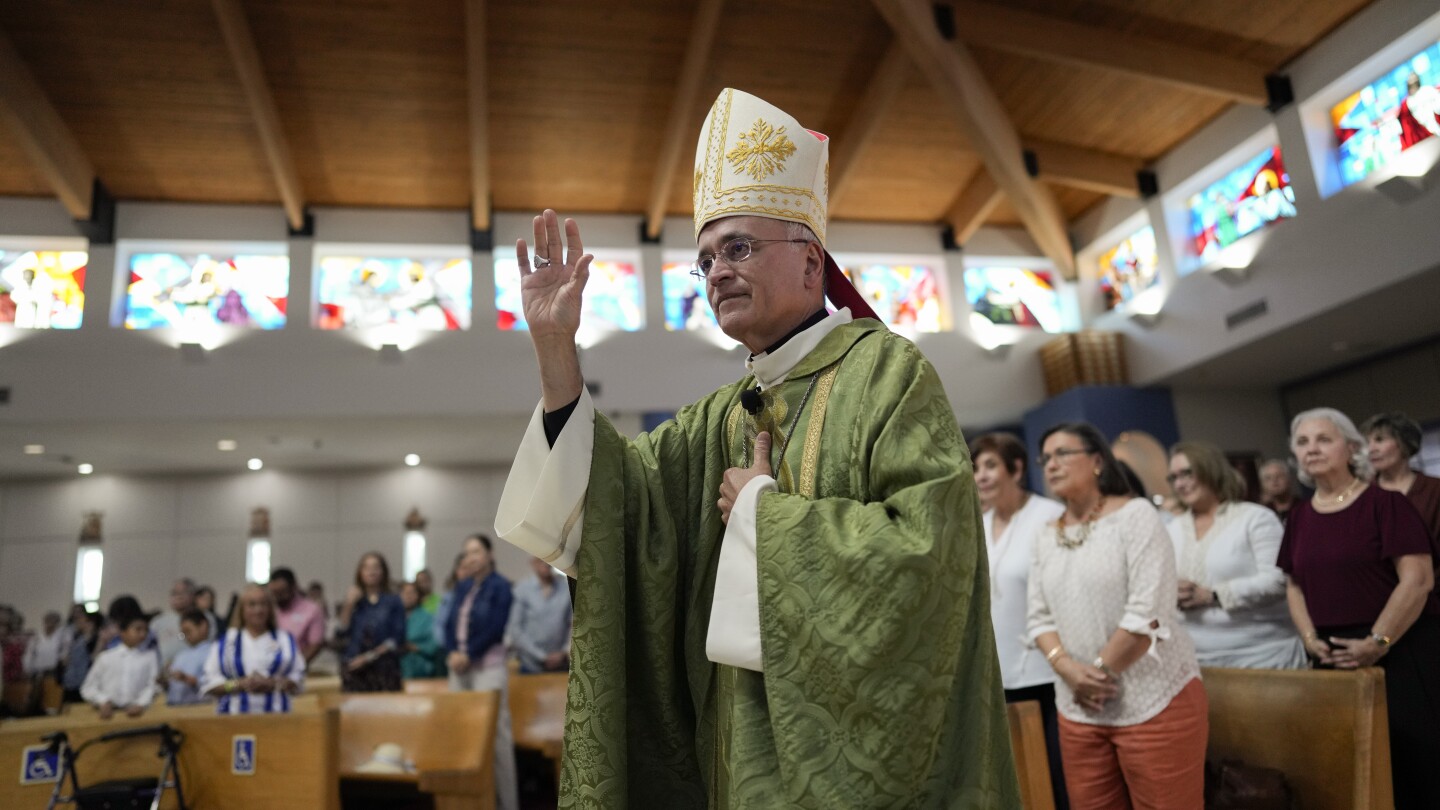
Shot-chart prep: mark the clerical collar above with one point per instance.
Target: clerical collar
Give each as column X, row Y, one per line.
column 820, row 315
column 771, row 367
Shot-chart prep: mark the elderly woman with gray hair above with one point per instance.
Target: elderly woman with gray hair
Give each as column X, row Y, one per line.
column 1360, row 580
column 1394, row 439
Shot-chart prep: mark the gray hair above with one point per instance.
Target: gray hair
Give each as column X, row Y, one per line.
column 1359, row 458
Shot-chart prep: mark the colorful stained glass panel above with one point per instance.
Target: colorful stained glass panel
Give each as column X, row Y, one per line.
column 1247, row 199
column 906, row 296
column 1129, row 268
column 686, row 306
column 614, row 297
column 355, row 292
column 1014, row 296
column 1379, row 121
column 200, row 289
column 42, row 289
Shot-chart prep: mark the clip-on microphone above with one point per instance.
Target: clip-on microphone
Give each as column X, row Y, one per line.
column 750, row 400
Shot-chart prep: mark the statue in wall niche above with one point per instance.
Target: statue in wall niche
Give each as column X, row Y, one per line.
column 415, row 522
column 260, row 522
column 90, row 527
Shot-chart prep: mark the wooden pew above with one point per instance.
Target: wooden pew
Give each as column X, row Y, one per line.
column 537, row 713
column 427, row 686
column 1032, row 765
column 295, row 766
column 1326, row 730
column 450, row 737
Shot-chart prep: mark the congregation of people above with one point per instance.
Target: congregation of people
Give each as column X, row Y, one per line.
column 1105, row 605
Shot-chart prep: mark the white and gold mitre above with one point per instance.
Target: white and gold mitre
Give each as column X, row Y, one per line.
column 754, row 159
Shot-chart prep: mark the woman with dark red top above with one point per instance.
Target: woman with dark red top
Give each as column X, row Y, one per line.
column 1360, row 584
column 1394, row 438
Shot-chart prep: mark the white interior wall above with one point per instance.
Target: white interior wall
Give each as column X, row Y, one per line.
column 1238, row 420
column 159, row 528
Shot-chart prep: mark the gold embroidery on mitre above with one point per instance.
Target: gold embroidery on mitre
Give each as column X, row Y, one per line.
column 762, row 151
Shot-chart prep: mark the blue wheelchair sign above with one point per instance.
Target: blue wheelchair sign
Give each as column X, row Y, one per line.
column 39, row 765
column 242, row 755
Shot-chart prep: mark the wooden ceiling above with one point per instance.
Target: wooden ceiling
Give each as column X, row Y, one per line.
column 372, row 96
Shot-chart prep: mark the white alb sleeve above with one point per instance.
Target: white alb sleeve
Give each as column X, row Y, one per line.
column 542, row 510
column 734, row 636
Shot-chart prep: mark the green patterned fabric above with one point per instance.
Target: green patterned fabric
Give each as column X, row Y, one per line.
column 881, row 687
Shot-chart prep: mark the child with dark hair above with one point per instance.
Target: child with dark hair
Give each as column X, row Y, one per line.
column 124, row 676
column 188, row 666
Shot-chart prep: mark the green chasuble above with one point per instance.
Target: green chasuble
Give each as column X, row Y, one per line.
column 881, row 686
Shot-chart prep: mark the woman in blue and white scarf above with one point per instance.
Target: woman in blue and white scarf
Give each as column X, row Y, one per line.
column 256, row 667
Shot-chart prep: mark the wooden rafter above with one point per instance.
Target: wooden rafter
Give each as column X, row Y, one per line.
column 1044, row 37
column 1086, row 168
column 246, row 59
column 43, row 135
column 957, row 80
column 680, row 124
column 975, row 204
column 478, row 76
column 885, row 84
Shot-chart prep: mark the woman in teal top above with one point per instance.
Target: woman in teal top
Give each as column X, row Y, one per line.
column 421, row 650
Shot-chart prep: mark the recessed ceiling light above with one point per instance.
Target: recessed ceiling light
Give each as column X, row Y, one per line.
column 85, row 469
column 254, row 464
column 412, row 460
column 225, row 444
column 34, row 449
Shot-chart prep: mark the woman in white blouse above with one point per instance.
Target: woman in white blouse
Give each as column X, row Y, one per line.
column 1133, row 713
column 255, row 667
column 1014, row 518
column 1231, row 592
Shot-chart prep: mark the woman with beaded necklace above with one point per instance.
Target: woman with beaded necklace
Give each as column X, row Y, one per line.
column 1360, row 581
column 1133, row 713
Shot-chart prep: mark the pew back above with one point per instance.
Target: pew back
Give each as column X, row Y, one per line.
column 295, row 766
column 1328, row 731
column 1032, row 766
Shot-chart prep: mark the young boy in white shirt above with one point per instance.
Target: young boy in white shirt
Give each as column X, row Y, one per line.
column 188, row 666
column 123, row 677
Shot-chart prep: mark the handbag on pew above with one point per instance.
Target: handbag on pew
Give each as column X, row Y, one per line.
column 1234, row 785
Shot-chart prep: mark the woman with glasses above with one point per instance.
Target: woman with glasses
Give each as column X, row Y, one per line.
column 1360, row 587
column 1015, row 519
column 1231, row 592
column 1133, row 713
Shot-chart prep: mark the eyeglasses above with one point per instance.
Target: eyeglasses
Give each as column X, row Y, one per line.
column 1062, row 454
column 732, row 253
column 1178, row 476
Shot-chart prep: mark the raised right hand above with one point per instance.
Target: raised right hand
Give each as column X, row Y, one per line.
column 551, row 294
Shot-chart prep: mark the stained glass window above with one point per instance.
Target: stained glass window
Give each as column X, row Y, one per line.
column 906, row 296
column 1129, row 268
column 1391, row 114
column 686, row 306
column 354, row 292
column 1243, row 201
column 42, row 289
column 201, row 289
column 614, row 297
column 1014, row 296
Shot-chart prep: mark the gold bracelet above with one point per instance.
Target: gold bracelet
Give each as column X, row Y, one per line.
column 1056, row 652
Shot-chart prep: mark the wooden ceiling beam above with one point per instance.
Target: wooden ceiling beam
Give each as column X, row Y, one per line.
column 1052, row 39
column 245, row 57
column 680, row 124
column 1087, row 169
column 885, row 84
column 976, row 202
column 479, row 92
column 957, row 80
column 43, row 135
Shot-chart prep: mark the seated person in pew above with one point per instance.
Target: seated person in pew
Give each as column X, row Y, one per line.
column 123, row 677
column 255, row 667
column 182, row 679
